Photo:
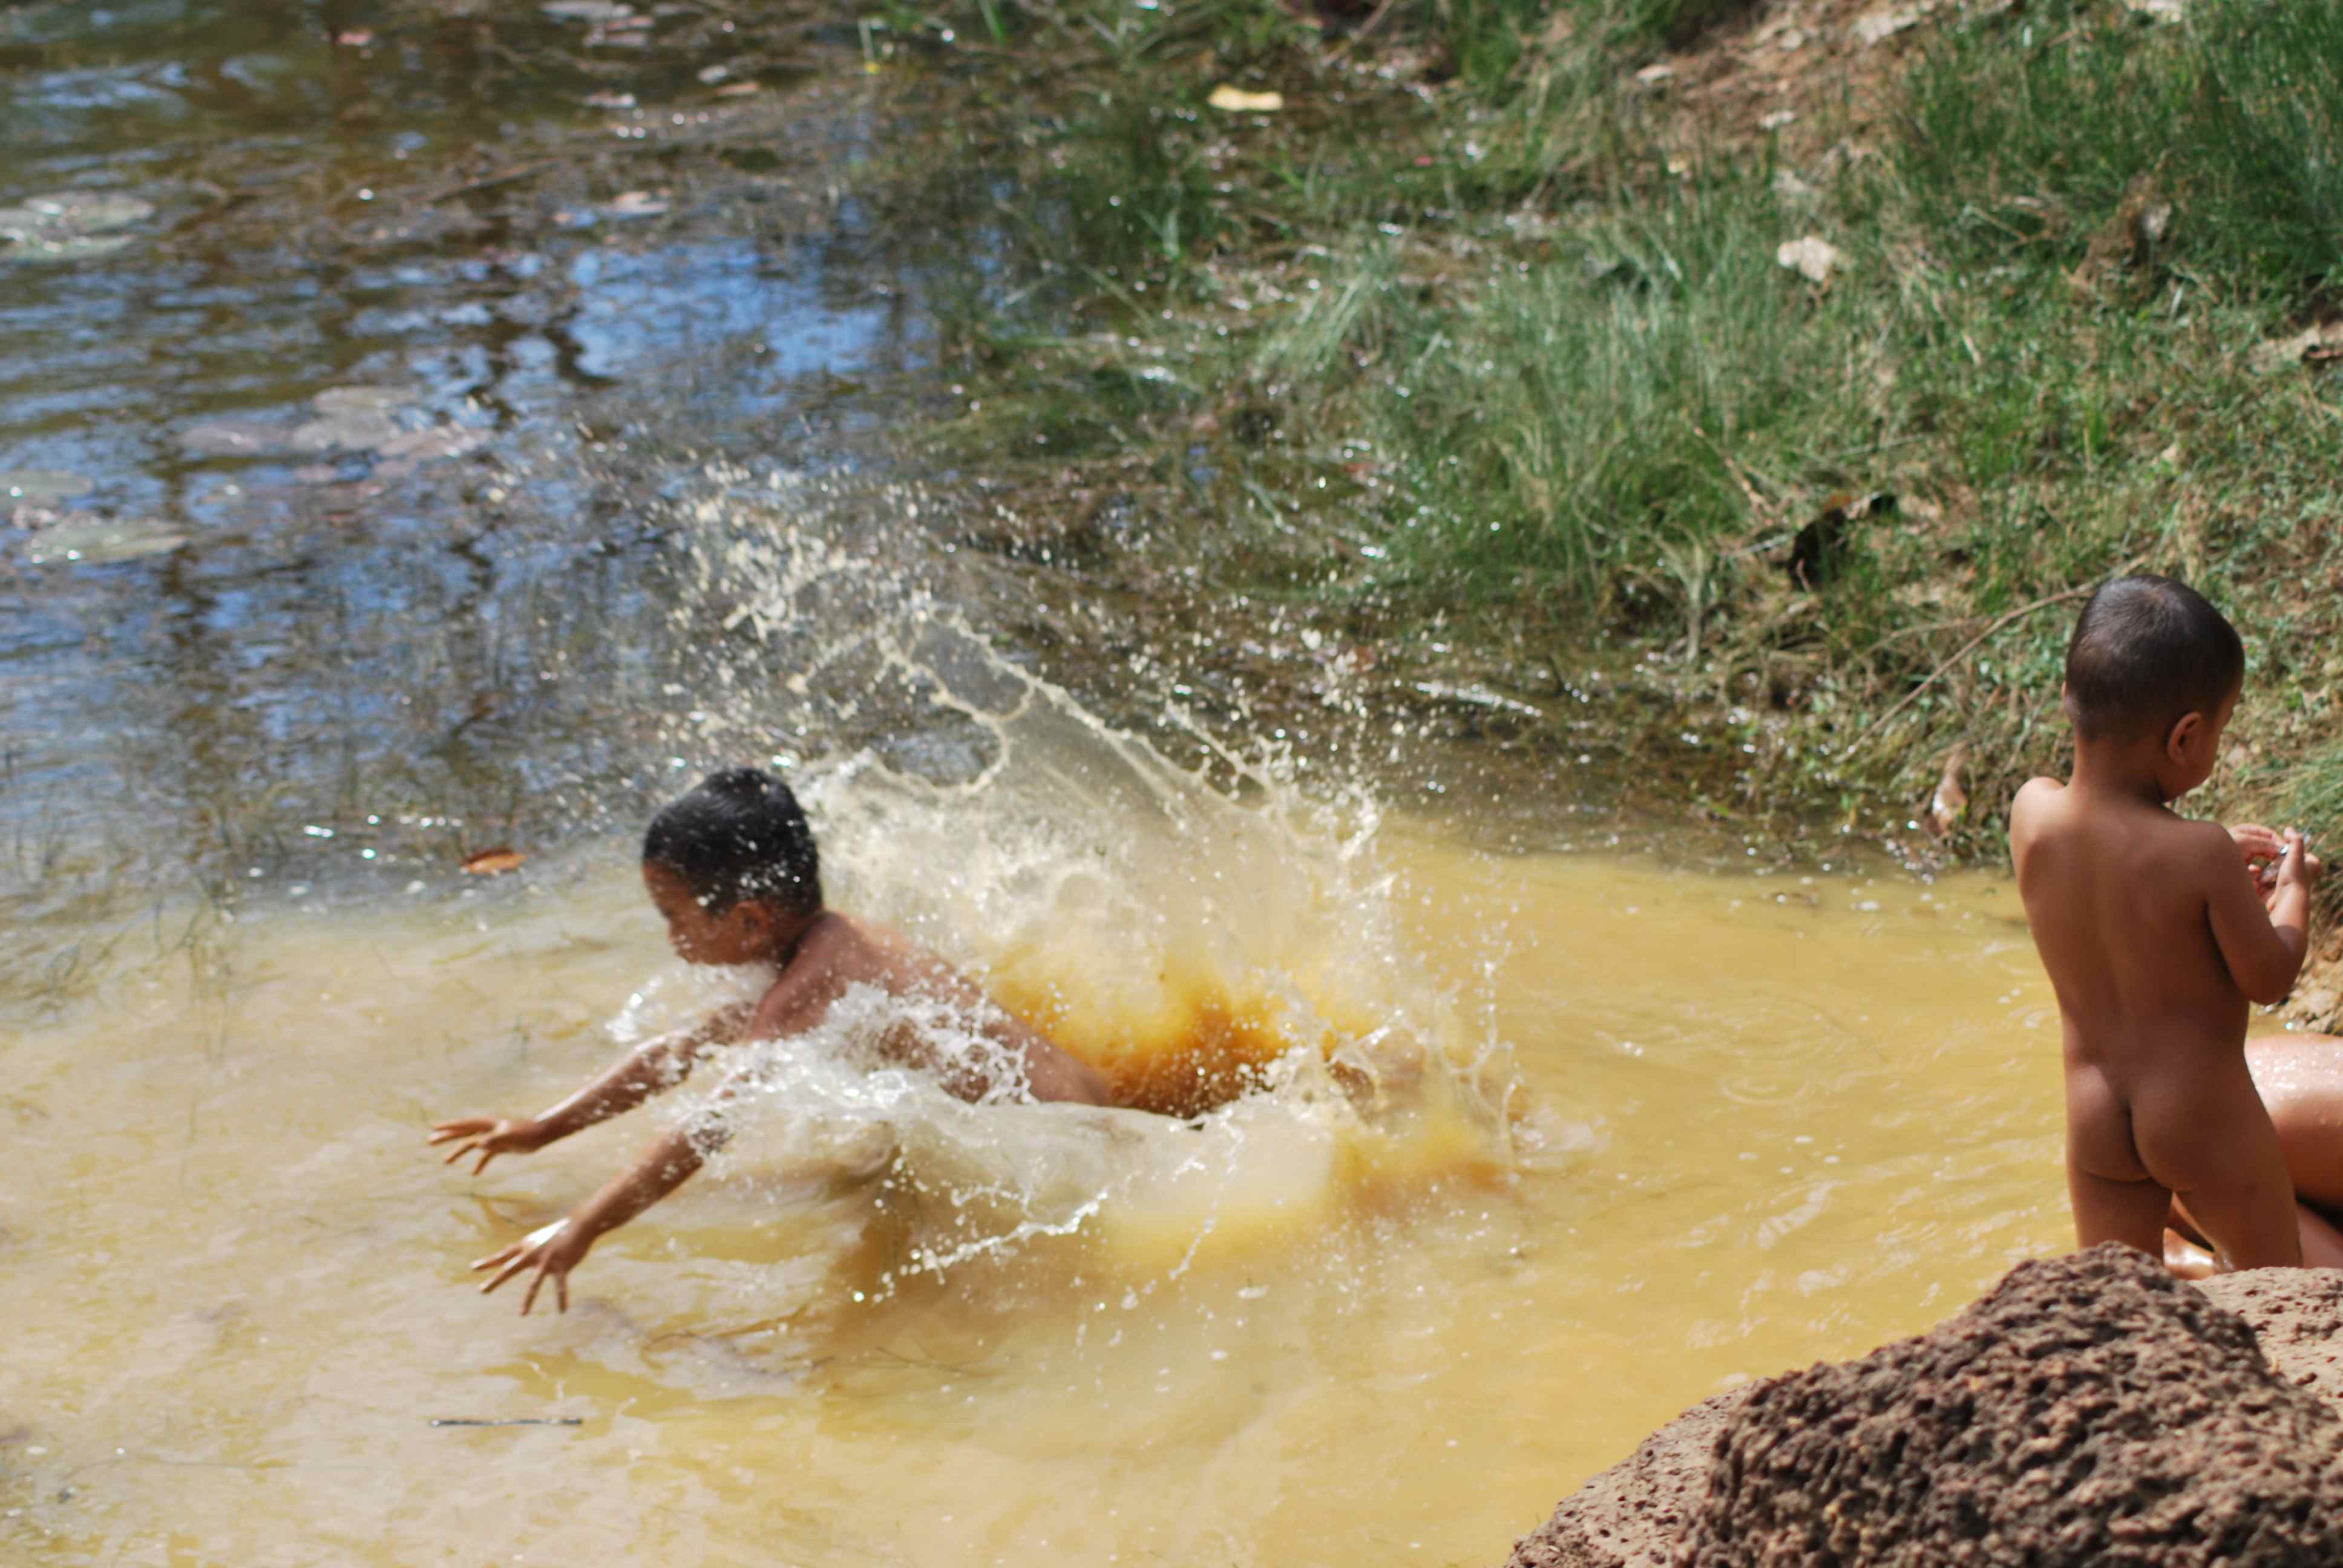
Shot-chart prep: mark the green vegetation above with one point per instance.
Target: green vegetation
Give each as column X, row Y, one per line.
column 1481, row 326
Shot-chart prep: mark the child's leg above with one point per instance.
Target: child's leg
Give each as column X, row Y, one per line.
column 2322, row 1243
column 2210, row 1143
column 2111, row 1209
column 2300, row 1079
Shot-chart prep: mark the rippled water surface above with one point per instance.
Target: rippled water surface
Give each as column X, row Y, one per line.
column 453, row 454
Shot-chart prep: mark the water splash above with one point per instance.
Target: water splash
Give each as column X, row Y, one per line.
column 1229, row 949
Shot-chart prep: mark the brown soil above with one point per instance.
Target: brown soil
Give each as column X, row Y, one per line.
column 2088, row 1410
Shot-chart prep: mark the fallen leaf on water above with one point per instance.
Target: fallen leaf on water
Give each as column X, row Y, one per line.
column 586, row 10
column 738, row 89
column 711, row 75
column 636, row 203
column 1237, row 101
column 493, row 862
column 610, row 100
column 356, row 38
column 1812, row 259
column 1951, row 800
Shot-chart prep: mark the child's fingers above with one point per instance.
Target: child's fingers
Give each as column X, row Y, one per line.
column 515, row 1267
column 487, row 1153
column 461, row 1151
column 501, row 1256
column 561, row 1288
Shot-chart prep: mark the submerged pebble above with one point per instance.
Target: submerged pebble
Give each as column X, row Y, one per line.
column 69, row 224
column 86, row 539
column 235, row 438
column 37, row 487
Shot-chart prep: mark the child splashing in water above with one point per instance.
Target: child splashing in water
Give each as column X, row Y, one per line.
column 732, row 867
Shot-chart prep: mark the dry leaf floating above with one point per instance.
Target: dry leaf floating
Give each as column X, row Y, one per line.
column 493, row 862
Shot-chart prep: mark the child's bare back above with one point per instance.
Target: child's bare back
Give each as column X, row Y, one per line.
column 2126, row 901
column 733, row 869
column 2157, row 935
column 838, row 950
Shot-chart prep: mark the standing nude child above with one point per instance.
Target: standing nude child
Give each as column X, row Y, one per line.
column 732, row 867
column 2159, row 936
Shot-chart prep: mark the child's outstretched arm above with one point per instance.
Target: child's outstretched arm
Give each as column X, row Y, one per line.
column 655, row 1065
column 797, row 1001
column 2263, row 938
column 561, row 1246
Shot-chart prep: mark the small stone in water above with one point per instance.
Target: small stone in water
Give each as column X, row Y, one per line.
column 36, row 485
column 358, row 431
column 234, row 438
column 70, row 215
column 336, row 400
column 86, row 539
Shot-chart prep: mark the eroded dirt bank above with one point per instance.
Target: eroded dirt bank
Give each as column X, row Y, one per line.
column 2086, row 1410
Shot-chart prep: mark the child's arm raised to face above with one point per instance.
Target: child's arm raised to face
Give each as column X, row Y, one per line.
column 654, row 1066
column 2262, row 939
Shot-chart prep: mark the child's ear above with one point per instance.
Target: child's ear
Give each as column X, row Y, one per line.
column 2182, row 736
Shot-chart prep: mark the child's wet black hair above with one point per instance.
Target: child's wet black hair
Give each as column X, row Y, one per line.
column 739, row 836
column 2147, row 652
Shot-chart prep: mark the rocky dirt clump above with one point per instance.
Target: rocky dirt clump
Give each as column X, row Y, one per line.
column 2090, row 1410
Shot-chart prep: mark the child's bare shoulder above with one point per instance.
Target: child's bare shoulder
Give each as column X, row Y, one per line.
column 2036, row 804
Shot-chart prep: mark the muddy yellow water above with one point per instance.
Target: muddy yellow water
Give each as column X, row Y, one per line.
column 1747, row 1122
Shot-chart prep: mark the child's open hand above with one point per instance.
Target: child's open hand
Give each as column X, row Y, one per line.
column 489, row 1136
column 551, row 1250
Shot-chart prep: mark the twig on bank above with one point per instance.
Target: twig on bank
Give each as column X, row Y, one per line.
column 1979, row 641
column 1373, row 22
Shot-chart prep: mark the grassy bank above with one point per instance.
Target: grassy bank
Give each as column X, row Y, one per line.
column 1484, row 329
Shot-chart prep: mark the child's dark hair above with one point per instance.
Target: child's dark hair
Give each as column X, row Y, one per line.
column 739, row 836
column 2147, row 652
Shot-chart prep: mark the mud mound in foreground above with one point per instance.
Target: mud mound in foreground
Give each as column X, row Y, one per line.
column 2090, row 1410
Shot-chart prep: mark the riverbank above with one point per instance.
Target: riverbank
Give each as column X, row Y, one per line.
column 1790, row 369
